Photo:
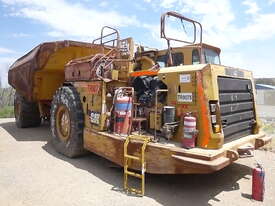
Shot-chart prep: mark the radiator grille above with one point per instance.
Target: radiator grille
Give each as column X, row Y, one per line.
column 237, row 107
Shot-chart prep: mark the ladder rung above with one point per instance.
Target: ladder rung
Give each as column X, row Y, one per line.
column 133, row 174
column 139, row 138
column 133, row 157
column 134, row 190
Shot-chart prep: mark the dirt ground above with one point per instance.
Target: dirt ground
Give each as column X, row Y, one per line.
column 32, row 173
column 266, row 112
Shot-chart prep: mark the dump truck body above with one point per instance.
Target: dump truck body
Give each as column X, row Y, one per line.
column 172, row 111
column 37, row 74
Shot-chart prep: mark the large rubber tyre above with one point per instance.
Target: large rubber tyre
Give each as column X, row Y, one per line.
column 67, row 122
column 26, row 113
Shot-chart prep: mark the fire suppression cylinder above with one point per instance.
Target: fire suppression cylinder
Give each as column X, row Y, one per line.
column 189, row 131
column 123, row 114
column 258, row 175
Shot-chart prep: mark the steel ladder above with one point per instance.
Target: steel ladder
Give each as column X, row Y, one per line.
column 145, row 140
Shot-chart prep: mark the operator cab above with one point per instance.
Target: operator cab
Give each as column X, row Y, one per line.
column 187, row 55
column 193, row 51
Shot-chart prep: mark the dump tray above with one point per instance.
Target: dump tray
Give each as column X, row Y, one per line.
column 47, row 59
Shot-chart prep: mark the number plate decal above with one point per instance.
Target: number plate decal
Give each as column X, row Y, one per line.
column 185, row 97
column 94, row 117
column 185, row 78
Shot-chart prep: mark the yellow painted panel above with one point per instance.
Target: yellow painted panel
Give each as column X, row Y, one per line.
column 51, row 76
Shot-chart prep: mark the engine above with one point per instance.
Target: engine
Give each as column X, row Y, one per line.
column 146, row 87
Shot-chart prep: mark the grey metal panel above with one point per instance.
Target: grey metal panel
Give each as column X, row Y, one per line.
column 237, row 107
column 237, row 128
column 235, row 97
column 238, row 117
column 234, row 85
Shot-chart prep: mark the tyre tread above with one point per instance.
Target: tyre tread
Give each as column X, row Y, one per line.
column 68, row 95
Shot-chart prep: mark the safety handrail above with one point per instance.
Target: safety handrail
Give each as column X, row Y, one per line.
column 177, row 15
column 168, row 39
column 116, row 39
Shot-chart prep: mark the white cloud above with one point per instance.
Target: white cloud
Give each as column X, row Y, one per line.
column 7, row 57
column 56, row 34
column 271, row 1
column 103, row 4
column 167, row 3
column 155, row 34
column 237, row 56
column 6, row 51
column 215, row 16
column 218, row 20
column 251, row 61
column 5, row 62
column 261, row 28
column 69, row 19
column 20, row 35
column 139, row 6
column 253, row 7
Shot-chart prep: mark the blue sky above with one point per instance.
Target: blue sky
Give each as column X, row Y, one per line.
column 244, row 30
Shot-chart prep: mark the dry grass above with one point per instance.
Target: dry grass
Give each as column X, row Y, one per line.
column 6, row 112
column 6, row 102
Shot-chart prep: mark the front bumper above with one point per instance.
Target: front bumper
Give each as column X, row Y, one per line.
column 214, row 160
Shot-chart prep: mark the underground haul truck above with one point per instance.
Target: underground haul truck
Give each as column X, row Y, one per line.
column 171, row 111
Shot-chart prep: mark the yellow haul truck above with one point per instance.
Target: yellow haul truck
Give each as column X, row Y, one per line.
column 172, row 111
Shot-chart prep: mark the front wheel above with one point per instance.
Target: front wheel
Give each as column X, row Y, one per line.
column 67, row 122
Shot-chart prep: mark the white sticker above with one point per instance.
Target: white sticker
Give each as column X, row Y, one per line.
column 188, row 136
column 94, row 117
column 214, row 119
column 185, row 97
column 185, row 78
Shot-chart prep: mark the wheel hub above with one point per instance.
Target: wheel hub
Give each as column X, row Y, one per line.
column 63, row 123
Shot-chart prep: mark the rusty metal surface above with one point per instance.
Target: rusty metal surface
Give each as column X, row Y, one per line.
column 97, row 67
column 21, row 73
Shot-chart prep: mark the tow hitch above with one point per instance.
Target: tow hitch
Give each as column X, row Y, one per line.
column 246, row 150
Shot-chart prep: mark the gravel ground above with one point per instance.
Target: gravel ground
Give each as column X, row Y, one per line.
column 32, row 173
column 266, row 112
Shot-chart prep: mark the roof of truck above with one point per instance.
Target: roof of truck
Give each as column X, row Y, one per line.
column 208, row 46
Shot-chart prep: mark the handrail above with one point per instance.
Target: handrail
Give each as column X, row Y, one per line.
column 102, row 36
column 196, row 25
column 177, row 15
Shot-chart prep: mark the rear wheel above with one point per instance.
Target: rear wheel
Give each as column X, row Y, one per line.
column 67, row 122
column 26, row 113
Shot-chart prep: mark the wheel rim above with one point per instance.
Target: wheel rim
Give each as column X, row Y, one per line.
column 63, row 122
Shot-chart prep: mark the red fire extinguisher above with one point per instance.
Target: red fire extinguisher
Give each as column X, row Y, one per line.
column 123, row 113
column 258, row 188
column 189, row 131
